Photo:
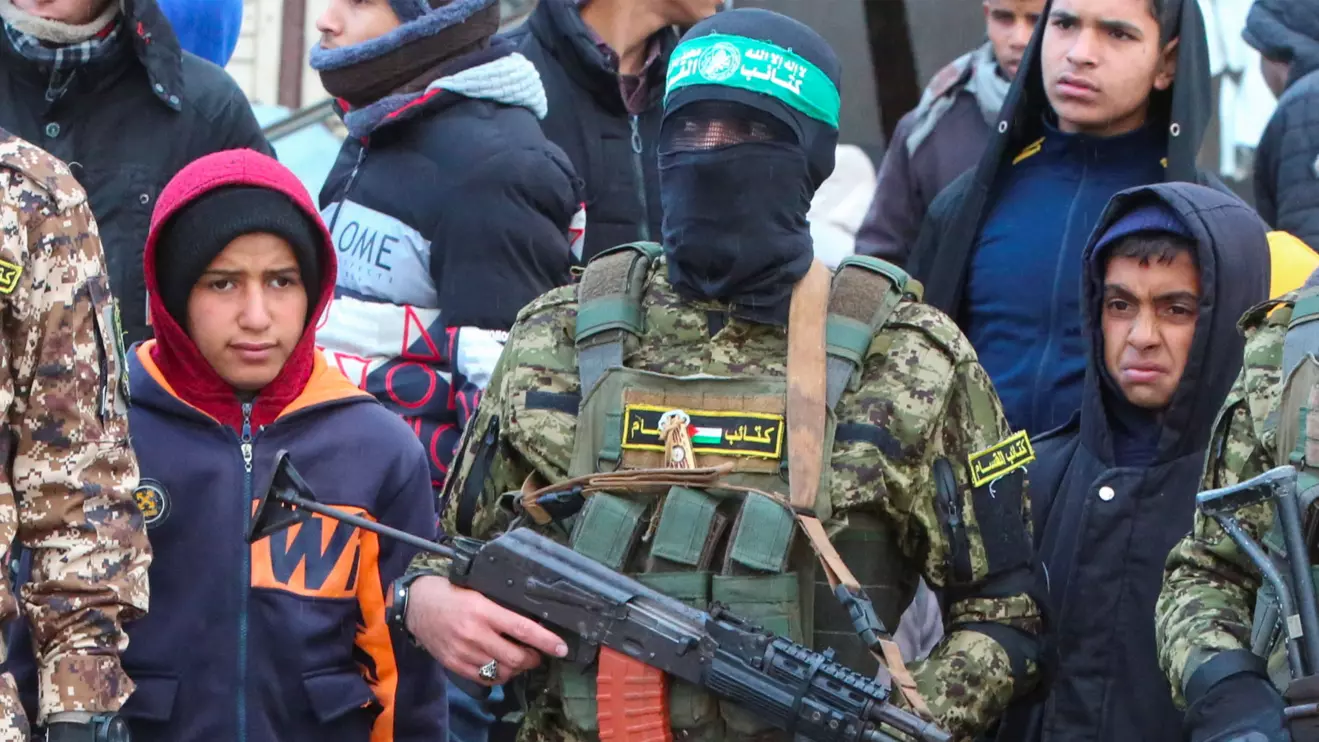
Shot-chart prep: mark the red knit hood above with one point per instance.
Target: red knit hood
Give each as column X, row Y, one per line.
column 174, row 353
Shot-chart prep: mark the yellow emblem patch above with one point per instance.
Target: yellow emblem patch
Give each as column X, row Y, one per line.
column 724, row 433
column 9, row 273
column 1001, row 458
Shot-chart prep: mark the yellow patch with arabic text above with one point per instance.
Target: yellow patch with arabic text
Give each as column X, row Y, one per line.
column 1001, row 458
column 9, row 274
column 725, row 433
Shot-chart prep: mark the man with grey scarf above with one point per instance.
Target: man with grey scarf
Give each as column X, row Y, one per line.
column 945, row 134
column 105, row 86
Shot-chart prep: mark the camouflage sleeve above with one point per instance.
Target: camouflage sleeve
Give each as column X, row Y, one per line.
column 72, row 470
column 985, row 660
column 1208, row 596
column 499, row 450
column 930, row 395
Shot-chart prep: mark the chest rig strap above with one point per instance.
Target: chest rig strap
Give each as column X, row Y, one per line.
column 609, row 308
column 807, row 387
column 864, row 294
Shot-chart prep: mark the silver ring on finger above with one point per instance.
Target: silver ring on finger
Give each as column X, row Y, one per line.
column 489, row 671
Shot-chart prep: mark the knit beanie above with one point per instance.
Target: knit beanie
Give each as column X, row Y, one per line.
column 200, row 231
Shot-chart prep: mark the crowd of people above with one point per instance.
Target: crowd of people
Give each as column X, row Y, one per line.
column 594, row 244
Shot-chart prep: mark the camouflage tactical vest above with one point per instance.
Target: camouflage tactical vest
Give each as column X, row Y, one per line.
column 1295, row 428
column 704, row 547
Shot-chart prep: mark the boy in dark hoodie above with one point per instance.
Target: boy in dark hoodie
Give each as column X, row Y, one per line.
column 1093, row 110
column 285, row 639
column 1168, row 272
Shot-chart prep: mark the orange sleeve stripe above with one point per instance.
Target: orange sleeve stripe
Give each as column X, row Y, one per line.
column 373, row 637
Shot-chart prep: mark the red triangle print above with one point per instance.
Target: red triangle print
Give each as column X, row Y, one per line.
column 411, row 323
column 353, row 367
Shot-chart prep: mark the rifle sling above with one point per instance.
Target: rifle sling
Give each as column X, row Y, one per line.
column 807, row 416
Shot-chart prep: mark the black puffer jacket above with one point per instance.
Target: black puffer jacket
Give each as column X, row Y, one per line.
column 126, row 125
column 612, row 151
column 1287, row 160
column 1103, row 529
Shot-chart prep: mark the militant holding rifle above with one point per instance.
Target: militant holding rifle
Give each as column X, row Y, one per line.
column 801, row 691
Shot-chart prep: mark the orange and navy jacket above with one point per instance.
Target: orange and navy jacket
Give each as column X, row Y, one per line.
column 286, row 638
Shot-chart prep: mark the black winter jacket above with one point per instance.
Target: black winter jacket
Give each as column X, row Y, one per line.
column 126, row 125
column 614, row 153
column 451, row 215
column 942, row 254
column 1103, row 531
column 1287, row 159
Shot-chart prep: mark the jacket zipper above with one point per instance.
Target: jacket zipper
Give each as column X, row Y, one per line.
column 348, row 185
column 639, row 171
column 245, row 446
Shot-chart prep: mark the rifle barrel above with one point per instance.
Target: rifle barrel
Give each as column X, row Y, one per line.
column 367, row 525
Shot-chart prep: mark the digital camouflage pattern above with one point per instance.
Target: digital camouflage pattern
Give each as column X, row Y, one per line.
column 67, row 494
column 921, row 383
column 1208, row 598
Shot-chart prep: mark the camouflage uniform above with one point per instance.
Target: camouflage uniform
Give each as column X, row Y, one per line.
column 1208, row 599
column 67, row 494
column 920, row 384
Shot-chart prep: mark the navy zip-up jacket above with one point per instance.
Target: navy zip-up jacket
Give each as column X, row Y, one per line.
column 1022, row 309
column 284, row 639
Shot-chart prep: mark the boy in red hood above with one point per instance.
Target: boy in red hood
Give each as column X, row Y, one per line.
column 285, row 639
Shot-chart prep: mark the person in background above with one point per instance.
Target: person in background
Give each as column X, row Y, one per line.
column 105, row 86
column 946, row 133
column 207, row 28
column 1112, row 94
column 1286, row 34
column 840, row 204
column 603, row 63
column 1169, row 271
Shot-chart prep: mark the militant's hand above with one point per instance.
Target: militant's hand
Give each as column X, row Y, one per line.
column 465, row 630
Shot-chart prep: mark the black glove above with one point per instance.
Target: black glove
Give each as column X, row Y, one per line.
column 1244, row 707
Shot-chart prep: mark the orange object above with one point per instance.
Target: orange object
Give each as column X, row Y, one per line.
column 632, row 700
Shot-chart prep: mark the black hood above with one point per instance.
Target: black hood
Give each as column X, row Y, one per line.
column 1286, row 30
column 1233, row 254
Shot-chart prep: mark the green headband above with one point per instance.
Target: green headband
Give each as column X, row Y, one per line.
column 757, row 66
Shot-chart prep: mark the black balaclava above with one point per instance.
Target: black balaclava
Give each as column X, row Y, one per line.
column 749, row 133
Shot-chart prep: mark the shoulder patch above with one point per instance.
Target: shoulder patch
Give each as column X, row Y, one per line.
column 40, row 172
column 153, row 500
column 9, row 275
column 1004, row 457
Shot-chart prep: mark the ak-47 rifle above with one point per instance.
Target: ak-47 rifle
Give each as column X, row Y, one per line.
column 596, row 610
column 1297, row 609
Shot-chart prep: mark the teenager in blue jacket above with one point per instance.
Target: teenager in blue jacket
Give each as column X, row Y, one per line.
column 285, row 639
